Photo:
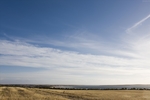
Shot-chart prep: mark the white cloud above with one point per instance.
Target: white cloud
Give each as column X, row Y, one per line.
column 69, row 65
column 23, row 54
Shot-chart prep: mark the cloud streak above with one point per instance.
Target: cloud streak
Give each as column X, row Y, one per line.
column 24, row 54
column 137, row 24
column 34, row 56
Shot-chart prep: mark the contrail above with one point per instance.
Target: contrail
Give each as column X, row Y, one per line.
column 138, row 23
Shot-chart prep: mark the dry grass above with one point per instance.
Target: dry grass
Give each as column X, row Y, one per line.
column 17, row 93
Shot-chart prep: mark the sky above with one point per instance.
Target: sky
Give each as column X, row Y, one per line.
column 75, row 42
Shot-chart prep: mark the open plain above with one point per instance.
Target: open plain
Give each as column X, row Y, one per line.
column 19, row 93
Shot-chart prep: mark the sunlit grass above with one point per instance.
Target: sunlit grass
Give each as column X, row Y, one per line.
column 18, row 93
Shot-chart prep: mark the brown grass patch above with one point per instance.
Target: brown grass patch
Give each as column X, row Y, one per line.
column 18, row 93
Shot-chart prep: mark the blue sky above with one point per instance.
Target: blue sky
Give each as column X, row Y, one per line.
column 90, row 42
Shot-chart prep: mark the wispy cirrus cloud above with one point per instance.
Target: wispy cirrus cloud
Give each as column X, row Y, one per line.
column 20, row 53
column 86, row 43
column 62, row 64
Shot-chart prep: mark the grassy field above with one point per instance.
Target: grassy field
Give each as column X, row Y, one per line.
column 18, row 93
